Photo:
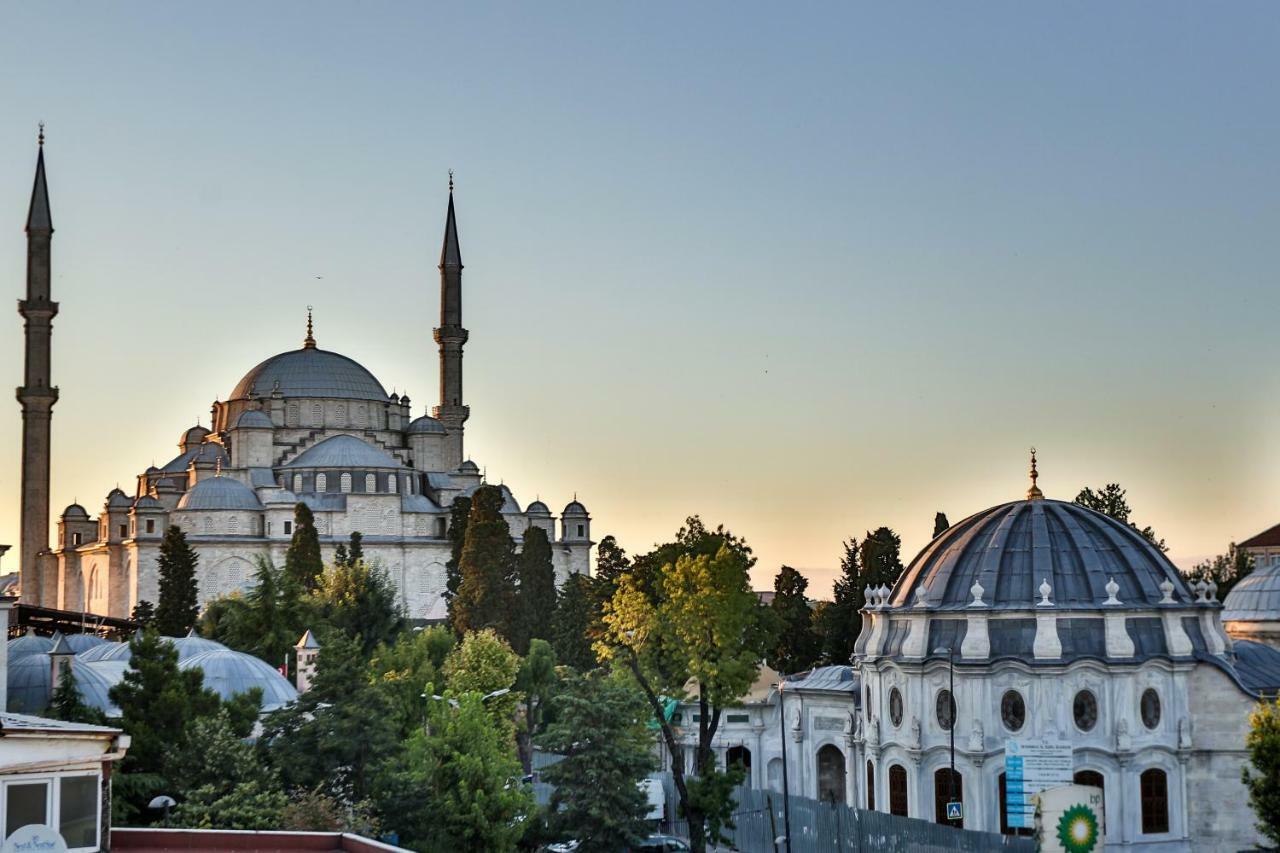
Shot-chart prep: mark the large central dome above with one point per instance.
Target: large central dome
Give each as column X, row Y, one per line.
column 310, row 372
column 1012, row 548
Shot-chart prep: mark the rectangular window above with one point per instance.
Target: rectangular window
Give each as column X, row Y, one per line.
column 738, row 718
column 75, row 538
column 78, row 810
column 25, row 802
column 288, row 528
column 581, row 531
column 124, row 531
column 151, row 525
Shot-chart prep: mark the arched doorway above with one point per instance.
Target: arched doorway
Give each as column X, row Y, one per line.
column 831, row 778
column 946, row 789
column 775, row 775
column 739, row 755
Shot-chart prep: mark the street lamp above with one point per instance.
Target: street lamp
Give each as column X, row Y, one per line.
column 786, row 788
column 164, row 801
column 950, row 652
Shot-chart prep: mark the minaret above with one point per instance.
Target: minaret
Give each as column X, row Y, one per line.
column 451, row 336
column 36, row 395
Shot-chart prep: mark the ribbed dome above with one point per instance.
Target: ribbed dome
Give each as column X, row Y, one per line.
column 344, row 451
column 426, row 424
column 537, row 508
column 310, row 373
column 219, row 493
column 75, row 511
column 228, row 673
column 1012, row 548
column 1254, row 599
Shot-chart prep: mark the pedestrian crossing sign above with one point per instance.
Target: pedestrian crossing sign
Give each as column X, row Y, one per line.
column 955, row 811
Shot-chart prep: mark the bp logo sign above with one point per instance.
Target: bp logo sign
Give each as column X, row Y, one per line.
column 1078, row 829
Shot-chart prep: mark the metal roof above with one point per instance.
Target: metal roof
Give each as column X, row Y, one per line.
column 228, row 673
column 254, row 419
column 1258, row 666
column 343, row 451
column 219, row 493
column 25, row 722
column 838, row 678
column 1256, row 598
column 210, row 452
column 426, row 424
column 311, row 373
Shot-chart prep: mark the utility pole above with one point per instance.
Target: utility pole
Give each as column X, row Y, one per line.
column 786, row 786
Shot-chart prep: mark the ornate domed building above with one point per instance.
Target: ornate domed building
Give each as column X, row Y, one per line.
column 304, row 426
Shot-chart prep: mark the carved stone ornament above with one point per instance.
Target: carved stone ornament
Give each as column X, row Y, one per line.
column 976, row 591
column 1045, row 591
column 1112, row 588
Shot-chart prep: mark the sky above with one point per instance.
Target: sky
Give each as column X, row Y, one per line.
column 804, row 271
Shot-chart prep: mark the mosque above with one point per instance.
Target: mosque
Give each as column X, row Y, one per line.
column 306, row 426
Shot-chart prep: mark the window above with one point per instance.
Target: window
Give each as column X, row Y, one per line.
column 360, row 416
column 1013, row 710
column 371, row 482
column 317, row 415
column 871, row 786
column 391, row 484
column 831, row 776
column 897, row 790
column 233, row 524
column 945, row 709
column 75, row 538
column 582, row 531
column 68, row 802
column 1150, row 708
column 1096, row 780
column 78, row 810
column 739, row 755
column 297, row 482
column 344, row 482
column 895, row 707
column 151, row 525
column 948, row 787
column 25, row 802
column 288, row 528
column 322, row 483
column 1155, row 801
column 340, row 414
column 1085, row 710
column 208, row 524
column 440, row 528
column 291, row 415
column 124, row 530
column 866, row 701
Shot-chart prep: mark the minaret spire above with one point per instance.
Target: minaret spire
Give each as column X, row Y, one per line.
column 451, row 337
column 37, row 394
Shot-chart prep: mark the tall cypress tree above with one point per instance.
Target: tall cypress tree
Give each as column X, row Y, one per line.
column 486, row 591
column 940, row 524
column 571, row 628
column 537, row 593
column 797, row 647
column 302, row 563
column 841, row 622
column 178, row 593
column 459, row 514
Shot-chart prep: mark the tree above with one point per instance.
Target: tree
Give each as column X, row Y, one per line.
column 179, row 598
column 1110, row 500
column 459, row 516
column 536, row 596
column 484, row 663
column 940, row 524
column 144, row 613
column 1225, row 570
column 349, row 556
column 692, row 621
column 316, row 811
column 303, row 564
column 67, row 704
column 881, row 557
column 266, row 621
column 841, row 622
column 486, row 592
column 225, row 785
column 360, row 601
column 611, row 564
column 456, row 785
column 402, row 669
column 538, row 683
column 600, row 731
column 571, row 627
column 798, row 645
column 1262, row 775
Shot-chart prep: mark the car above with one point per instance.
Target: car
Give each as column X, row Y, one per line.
column 661, row 844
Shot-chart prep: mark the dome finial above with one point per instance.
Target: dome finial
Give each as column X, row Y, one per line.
column 40, row 136
column 1034, row 493
column 309, row 342
column 450, row 179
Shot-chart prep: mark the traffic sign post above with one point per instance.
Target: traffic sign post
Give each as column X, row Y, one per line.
column 955, row 811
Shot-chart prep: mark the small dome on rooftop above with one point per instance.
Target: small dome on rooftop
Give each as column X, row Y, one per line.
column 426, row 424
column 574, row 508
column 1256, row 598
column 194, row 435
column 254, row 419
column 537, row 508
column 75, row 511
column 469, row 467
column 117, row 498
column 219, row 493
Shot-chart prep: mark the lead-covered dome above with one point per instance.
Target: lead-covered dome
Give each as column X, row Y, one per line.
column 1011, row 549
column 310, row 372
column 219, row 493
column 1256, row 598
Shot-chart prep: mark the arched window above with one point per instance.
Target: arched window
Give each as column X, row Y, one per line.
column 739, row 755
column 291, row 415
column 1155, row 801
column 1094, row 779
column 775, row 774
column 871, row 786
column 340, row 415
column 392, row 483
column 831, row 774
column 322, row 483
column 297, row 483
column 317, row 414
column 233, row 525
column 344, row 482
column 208, row 524
column 371, row 482
column 947, row 788
column 361, row 418
column 898, row 790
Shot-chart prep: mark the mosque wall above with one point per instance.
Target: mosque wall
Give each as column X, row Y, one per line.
column 1217, row 799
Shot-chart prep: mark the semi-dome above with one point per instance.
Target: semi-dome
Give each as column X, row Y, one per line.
column 1256, row 598
column 219, row 493
column 228, row 673
column 254, row 419
column 343, row 451
column 469, row 467
column 1011, row 549
column 310, row 372
column 426, row 424
column 209, row 453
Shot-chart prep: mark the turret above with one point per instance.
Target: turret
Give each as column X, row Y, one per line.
column 575, row 523
column 251, row 439
column 114, row 521
column 192, row 438
column 450, row 336
column 427, row 439
column 60, row 661
column 308, row 650
column 76, row 528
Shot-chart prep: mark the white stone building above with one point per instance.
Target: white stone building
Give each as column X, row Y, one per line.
column 310, row 426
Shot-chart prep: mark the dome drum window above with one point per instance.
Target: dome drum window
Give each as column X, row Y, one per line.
column 371, row 482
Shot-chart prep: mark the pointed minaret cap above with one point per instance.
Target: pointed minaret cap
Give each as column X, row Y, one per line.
column 1034, row 493
column 309, row 342
column 60, row 645
column 450, row 254
column 308, row 641
column 38, row 218
column 191, row 633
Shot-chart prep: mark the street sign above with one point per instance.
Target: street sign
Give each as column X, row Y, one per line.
column 955, row 811
column 1031, row 766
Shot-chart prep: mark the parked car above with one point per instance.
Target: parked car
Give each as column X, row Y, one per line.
column 652, row 844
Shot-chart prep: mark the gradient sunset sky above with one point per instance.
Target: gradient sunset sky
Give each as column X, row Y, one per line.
column 802, row 270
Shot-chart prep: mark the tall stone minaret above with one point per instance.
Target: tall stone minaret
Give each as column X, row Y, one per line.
column 451, row 336
column 36, row 395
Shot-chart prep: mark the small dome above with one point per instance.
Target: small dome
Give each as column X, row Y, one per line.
column 146, row 502
column 209, row 453
column 151, row 469
column 254, row 419
column 118, row 499
column 282, row 496
column 79, row 643
column 229, row 673
column 219, row 493
column 94, row 680
column 343, row 451
column 468, row 467
column 310, row 373
column 537, row 508
column 75, row 511
column 1254, row 599
column 28, row 644
column 105, row 651
column 394, row 398
column 28, row 680
column 193, row 644
column 426, row 424
column 574, row 508
column 195, row 435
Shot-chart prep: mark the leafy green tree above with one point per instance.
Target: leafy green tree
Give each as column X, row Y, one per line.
column 600, row 731
column 401, row 671
column 1111, row 500
column 456, row 786
column 486, row 593
column 1261, row 775
column 536, row 596
column 303, row 564
column 841, row 622
column 179, row 598
column 1226, row 570
column 484, row 663
column 798, row 646
column 360, row 601
column 611, row 564
column 692, row 621
column 349, row 556
column 316, row 811
column 226, row 786
column 571, row 626
column 538, row 683
column 459, row 516
column 266, row 621
column 67, row 704
column 144, row 613
column 940, row 524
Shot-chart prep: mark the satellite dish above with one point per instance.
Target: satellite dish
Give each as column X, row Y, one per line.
column 33, row 836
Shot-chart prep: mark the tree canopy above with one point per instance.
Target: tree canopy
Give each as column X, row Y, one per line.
column 1261, row 775
column 179, row 595
column 1111, row 500
column 536, row 594
column 798, row 646
column 571, row 626
column 303, row 564
column 1225, row 570
column 487, row 565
